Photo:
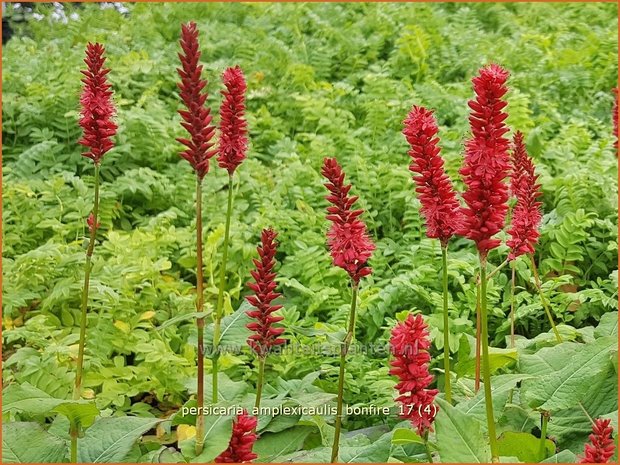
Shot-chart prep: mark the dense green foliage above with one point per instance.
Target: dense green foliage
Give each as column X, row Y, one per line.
column 323, row 80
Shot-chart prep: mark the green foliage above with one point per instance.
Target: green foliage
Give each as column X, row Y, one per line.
column 323, row 80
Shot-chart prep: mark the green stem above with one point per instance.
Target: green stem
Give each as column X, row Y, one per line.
column 543, row 435
column 77, row 389
column 74, row 437
column 259, row 383
column 343, row 355
column 543, row 300
column 200, row 324
column 427, row 448
column 220, row 293
column 477, row 373
column 486, row 367
column 446, row 324
column 496, row 270
column 512, row 306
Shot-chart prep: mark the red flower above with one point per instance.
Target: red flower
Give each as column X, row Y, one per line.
column 615, row 118
column 526, row 215
column 440, row 206
column 347, row 238
column 265, row 334
column 97, row 107
column 233, row 127
column 197, row 118
column 486, row 161
column 91, row 222
column 409, row 344
column 602, row 446
column 241, row 442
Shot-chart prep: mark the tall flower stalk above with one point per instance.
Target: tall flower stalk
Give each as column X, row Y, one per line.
column 350, row 248
column 526, row 218
column 232, row 150
column 485, row 168
column 98, row 130
column 199, row 150
column 440, row 207
column 265, row 334
column 410, row 344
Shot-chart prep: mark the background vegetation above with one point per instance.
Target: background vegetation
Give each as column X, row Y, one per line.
column 324, row 80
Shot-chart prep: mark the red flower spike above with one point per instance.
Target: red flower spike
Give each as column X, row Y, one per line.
column 440, row 207
column 91, row 223
column 409, row 344
column 601, row 447
column 486, row 162
column 241, row 442
column 197, row 118
column 347, row 238
column 97, row 107
column 615, row 118
column 526, row 215
column 265, row 334
column 233, row 126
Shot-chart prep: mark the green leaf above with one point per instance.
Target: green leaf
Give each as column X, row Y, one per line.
column 29, row 399
column 498, row 358
column 377, row 452
column 524, row 446
column 608, row 326
column 79, row 413
column 233, row 331
column 218, row 429
column 567, row 387
column 270, row 447
column 110, row 439
column 459, row 437
column 405, row 436
column 26, row 442
column 564, row 456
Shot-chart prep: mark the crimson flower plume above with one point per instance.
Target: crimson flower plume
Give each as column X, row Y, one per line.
column 197, row 117
column 347, row 238
column 440, row 206
column 601, row 447
column 486, row 162
column 266, row 335
column 97, row 107
column 233, row 126
column 615, row 118
column 241, row 442
column 526, row 215
column 409, row 344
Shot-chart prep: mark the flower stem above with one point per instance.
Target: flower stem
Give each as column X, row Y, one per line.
column 220, row 294
column 200, row 324
column 477, row 374
column 77, row 390
column 343, row 355
column 512, row 306
column 259, row 382
column 496, row 270
column 544, row 416
column 74, row 437
column 429, row 456
column 446, row 323
column 486, row 367
column 543, row 300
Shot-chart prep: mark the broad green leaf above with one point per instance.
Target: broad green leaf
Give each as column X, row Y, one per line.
column 501, row 386
column 608, row 326
column 548, row 359
column 564, row 456
column 567, row 387
column 459, row 437
column 524, row 446
column 29, row 399
column 233, row 331
column 110, row 439
column 406, row 436
column 218, row 429
column 376, row 452
column 79, row 413
column 27, row 442
column 271, row 447
column 498, row 358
